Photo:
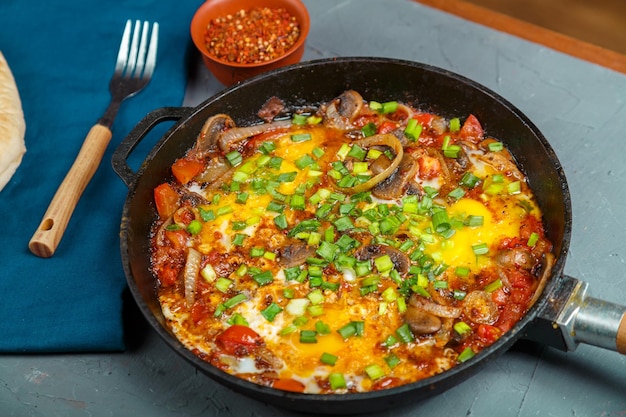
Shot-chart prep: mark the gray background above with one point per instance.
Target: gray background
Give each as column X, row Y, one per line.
column 580, row 108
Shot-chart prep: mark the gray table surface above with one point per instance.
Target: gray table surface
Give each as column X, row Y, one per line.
column 580, row 107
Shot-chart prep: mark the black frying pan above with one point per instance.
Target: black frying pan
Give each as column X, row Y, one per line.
column 563, row 316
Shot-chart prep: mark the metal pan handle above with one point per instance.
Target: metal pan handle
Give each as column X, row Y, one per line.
column 150, row 121
column 572, row 316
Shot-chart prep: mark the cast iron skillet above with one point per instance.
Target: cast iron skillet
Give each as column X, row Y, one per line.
column 563, row 304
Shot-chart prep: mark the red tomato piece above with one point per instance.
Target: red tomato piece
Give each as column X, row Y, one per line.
column 429, row 167
column 166, row 200
column 424, row 118
column 288, row 384
column 185, row 169
column 386, row 127
column 472, row 131
column 238, row 340
column 489, row 334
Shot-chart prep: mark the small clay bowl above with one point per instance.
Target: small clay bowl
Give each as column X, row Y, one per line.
column 229, row 73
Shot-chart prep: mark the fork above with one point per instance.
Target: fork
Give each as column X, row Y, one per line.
column 135, row 64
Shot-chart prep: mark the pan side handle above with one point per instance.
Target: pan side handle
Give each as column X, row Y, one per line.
column 589, row 320
column 140, row 131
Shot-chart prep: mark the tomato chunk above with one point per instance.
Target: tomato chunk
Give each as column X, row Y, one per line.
column 288, row 384
column 239, row 340
column 185, row 169
column 166, row 200
column 472, row 131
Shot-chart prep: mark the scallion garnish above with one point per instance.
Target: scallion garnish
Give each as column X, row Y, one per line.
column 271, row 311
column 234, row 157
column 328, row 359
column 337, row 381
column 369, row 129
column 532, row 239
column 404, row 333
column 413, row 129
column 495, row 146
column 467, row 354
column 480, row 249
column 374, row 371
column 301, row 137
column 299, row 119
column 494, row 285
column 308, row 336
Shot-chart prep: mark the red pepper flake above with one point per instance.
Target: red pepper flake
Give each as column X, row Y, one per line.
column 252, row 36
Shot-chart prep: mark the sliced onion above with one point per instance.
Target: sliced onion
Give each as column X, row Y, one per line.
column 434, row 308
column 228, row 138
column 190, row 275
column 378, row 140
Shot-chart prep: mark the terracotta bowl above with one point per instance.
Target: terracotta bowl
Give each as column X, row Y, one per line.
column 229, row 73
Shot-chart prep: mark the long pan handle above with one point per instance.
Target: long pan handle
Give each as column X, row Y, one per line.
column 589, row 320
column 571, row 316
column 52, row 227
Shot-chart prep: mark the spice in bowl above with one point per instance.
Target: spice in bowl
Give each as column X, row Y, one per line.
column 253, row 36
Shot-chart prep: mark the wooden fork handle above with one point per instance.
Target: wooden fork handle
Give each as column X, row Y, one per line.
column 50, row 231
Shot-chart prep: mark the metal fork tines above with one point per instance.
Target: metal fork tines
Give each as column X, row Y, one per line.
column 134, row 67
column 135, row 64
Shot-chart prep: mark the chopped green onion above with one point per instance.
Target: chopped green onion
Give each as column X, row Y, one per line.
column 496, row 146
column 459, row 295
column 281, row 221
column 462, row 271
column 413, row 129
column 452, row 151
column 374, row 371
column 299, row 119
column 233, row 301
column 316, row 297
column 194, row 227
column 532, row 239
column 267, row 147
column 469, row 180
column 327, row 250
column 454, row 124
column 224, row 210
column 315, row 310
column 206, row 215
column 384, row 264
column 467, row 354
column 357, row 152
column 474, row 221
column 208, row 273
column 322, row 328
column 480, row 249
column 256, row 252
column 222, row 284
column 328, row 359
column 404, row 333
column 514, row 187
column 308, row 336
column 297, row 306
column 369, row 129
column 389, row 107
column 392, row 360
column 462, row 328
column 301, row 137
column 234, row 157
column 441, row 221
column 457, row 193
column 263, row 278
column 271, row 311
column 494, row 285
column 337, row 381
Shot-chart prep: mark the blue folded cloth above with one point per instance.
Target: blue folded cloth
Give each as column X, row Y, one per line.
column 62, row 55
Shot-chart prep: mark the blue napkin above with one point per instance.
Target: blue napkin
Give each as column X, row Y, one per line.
column 62, row 55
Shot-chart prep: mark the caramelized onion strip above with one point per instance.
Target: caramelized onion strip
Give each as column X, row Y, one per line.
column 190, row 275
column 233, row 136
column 378, row 140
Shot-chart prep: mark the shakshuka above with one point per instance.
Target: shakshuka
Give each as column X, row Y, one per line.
column 355, row 246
